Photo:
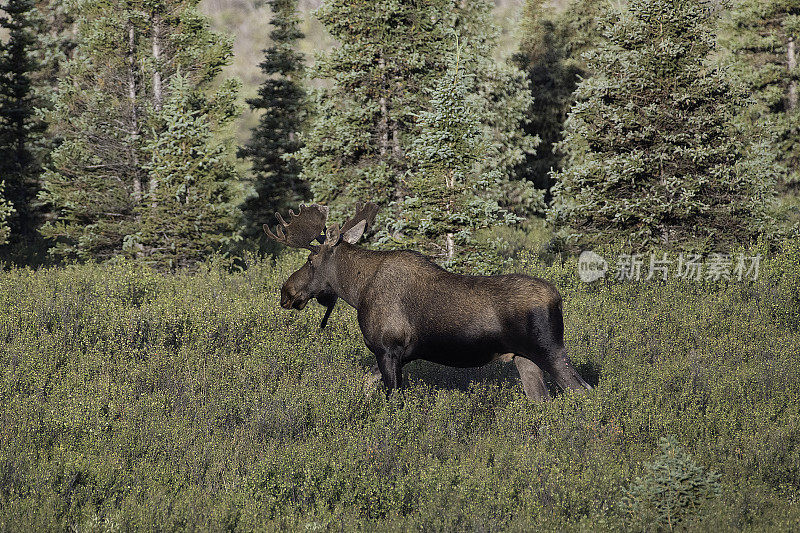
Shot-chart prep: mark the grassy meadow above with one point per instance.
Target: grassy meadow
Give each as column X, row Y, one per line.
column 132, row 400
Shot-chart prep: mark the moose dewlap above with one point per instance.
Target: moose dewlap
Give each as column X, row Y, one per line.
column 410, row 308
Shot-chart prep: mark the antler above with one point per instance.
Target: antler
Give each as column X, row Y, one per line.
column 302, row 228
column 365, row 212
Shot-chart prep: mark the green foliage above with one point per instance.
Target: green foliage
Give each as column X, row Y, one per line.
column 654, row 154
column 389, row 53
column 784, row 294
column 378, row 81
column 449, row 199
column 110, row 111
column 282, row 99
column 6, row 210
column 759, row 40
column 190, row 210
column 131, row 398
column 672, row 489
column 55, row 34
column 760, row 37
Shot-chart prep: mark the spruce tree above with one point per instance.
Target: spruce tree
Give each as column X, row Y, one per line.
column 449, row 197
column 502, row 93
column 281, row 97
column 389, row 53
column 104, row 180
column 192, row 211
column 670, row 492
column 762, row 36
column 654, row 154
column 20, row 128
column 378, row 80
column 55, row 28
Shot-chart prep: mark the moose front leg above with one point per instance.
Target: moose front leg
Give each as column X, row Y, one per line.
column 391, row 367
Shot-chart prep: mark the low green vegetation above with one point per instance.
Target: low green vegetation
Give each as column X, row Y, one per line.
column 132, row 400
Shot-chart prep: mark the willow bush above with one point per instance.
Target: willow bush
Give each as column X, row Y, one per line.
column 133, row 400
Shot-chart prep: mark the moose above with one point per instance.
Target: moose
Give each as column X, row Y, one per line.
column 410, row 308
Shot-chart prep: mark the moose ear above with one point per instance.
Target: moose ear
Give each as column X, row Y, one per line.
column 333, row 235
column 353, row 234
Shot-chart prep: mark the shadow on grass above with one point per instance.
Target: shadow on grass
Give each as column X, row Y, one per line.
column 590, row 372
column 495, row 373
column 453, row 378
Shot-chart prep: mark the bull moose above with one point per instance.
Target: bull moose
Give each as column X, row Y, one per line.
column 410, row 308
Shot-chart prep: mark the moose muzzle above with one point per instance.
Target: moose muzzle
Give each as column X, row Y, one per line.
column 292, row 300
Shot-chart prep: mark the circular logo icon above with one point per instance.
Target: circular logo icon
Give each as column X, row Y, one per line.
column 591, row 266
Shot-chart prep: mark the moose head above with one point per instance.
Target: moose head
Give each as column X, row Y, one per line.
column 307, row 229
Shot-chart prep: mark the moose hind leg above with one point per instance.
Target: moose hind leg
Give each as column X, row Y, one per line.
column 563, row 371
column 547, row 328
column 532, row 379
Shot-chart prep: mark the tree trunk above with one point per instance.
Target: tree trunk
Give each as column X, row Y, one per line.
column 449, row 247
column 396, row 150
column 158, row 97
column 383, row 125
column 133, row 89
column 792, row 64
column 134, row 126
column 450, row 182
column 389, row 144
column 400, row 190
column 157, row 92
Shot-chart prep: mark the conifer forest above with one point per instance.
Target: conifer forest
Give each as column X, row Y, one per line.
column 161, row 370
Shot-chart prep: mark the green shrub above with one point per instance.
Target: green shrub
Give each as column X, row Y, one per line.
column 133, row 400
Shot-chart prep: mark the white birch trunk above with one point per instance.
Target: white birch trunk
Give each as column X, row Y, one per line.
column 134, row 126
column 158, row 97
column 449, row 245
column 157, row 91
column 791, row 60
